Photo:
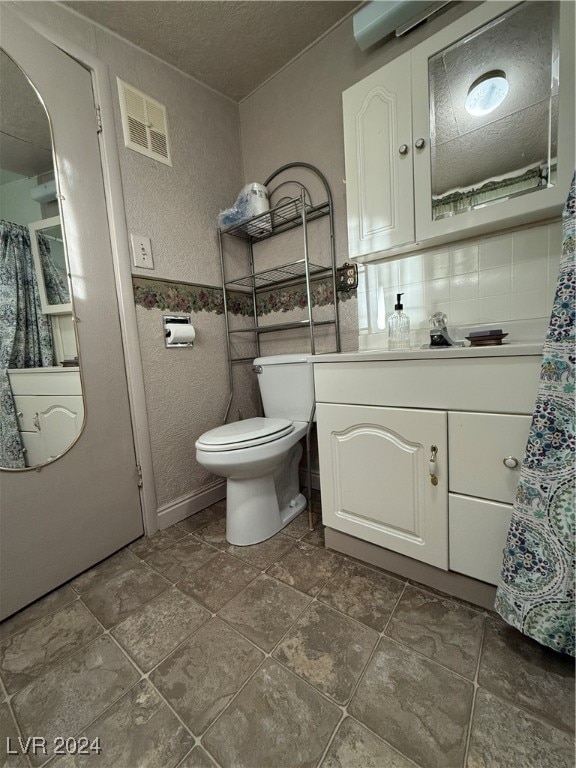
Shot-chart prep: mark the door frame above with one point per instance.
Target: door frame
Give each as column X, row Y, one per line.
column 118, row 231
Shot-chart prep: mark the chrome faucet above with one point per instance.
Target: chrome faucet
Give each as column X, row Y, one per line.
column 439, row 336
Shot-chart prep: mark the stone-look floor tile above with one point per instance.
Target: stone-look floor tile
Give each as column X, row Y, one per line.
column 218, row 581
column 355, row 747
column 528, row 674
column 264, row 554
column 306, row 568
column 29, row 653
column 138, row 731
column 99, row 574
column 418, row 707
column 316, row 537
column 186, row 556
column 508, row 737
column 9, row 741
column 68, row 697
column 328, row 650
column 204, row 517
column 214, row 534
column 264, row 611
column 152, row 633
column 203, row 674
column 448, row 632
column 113, row 601
column 33, row 613
column 363, row 594
column 299, row 526
column 147, row 545
column 198, row 758
column 276, row 721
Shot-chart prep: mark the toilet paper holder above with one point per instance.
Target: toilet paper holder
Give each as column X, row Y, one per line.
column 178, row 331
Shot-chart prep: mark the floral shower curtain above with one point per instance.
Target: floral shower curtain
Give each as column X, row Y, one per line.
column 25, row 333
column 536, row 589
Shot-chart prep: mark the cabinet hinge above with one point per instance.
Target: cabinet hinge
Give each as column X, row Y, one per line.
column 139, row 471
column 98, row 120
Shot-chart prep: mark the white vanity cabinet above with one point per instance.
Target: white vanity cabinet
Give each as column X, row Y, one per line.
column 421, row 171
column 49, row 410
column 421, row 455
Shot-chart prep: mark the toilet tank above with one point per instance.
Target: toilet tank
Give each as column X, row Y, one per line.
column 286, row 385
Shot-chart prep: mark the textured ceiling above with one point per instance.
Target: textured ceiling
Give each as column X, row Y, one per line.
column 231, row 46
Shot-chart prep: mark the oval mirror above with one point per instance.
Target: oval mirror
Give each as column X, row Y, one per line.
column 40, row 384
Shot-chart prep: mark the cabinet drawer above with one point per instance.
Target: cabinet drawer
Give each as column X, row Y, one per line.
column 45, row 381
column 478, row 445
column 478, row 531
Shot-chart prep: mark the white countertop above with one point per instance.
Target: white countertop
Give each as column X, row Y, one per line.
column 502, row 350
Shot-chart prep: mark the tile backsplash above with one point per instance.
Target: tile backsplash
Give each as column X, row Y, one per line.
column 493, row 280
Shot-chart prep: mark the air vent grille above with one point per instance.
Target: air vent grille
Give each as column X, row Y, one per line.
column 144, row 123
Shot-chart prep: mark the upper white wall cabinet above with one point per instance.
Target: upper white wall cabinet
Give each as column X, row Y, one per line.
column 437, row 149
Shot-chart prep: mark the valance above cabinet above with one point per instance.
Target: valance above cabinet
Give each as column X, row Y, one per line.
column 470, row 132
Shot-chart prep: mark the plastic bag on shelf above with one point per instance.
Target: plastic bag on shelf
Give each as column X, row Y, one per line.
column 252, row 201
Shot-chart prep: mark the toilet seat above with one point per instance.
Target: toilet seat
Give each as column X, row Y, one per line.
column 244, row 434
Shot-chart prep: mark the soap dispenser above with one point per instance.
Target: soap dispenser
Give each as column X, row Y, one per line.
column 399, row 327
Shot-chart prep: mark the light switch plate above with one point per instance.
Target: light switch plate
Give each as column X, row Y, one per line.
column 141, row 252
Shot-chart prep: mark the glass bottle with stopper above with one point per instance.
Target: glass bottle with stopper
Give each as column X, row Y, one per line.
column 399, row 326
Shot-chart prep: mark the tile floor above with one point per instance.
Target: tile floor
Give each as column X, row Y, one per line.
column 183, row 651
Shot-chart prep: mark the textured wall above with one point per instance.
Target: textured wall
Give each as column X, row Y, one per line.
column 177, row 207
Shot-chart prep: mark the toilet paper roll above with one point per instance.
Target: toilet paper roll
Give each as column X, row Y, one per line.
column 180, row 333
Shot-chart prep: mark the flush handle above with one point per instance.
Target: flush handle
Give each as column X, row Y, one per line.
column 257, row 368
column 432, row 464
column 510, row 461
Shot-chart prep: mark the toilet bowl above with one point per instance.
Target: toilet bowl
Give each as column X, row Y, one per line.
column 259, row 457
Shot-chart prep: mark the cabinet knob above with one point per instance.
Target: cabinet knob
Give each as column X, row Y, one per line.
column 36, row 422
column 420, row 144
column 403, row 149
column 511, row 462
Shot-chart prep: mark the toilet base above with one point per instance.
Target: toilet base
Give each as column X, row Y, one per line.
column 257, row 508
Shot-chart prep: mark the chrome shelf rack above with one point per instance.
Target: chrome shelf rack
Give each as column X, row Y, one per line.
column 286, row 214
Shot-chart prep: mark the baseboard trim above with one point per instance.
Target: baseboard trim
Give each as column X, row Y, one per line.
column 456, row 584
column 304, row 479
column 189, row 505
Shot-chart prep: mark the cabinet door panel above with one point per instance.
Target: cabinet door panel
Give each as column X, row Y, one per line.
column 375, row 476
column 478, row 531
column 478, row 444
column 478, row 162
column 379, row 190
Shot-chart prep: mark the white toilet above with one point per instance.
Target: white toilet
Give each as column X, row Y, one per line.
column 260, row 456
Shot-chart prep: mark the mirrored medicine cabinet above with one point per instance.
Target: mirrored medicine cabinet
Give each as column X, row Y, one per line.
column 470, row 131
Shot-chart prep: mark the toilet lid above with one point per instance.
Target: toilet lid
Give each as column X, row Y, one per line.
column 244, row 434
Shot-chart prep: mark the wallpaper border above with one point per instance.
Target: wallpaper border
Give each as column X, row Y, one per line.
column 156, row 293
